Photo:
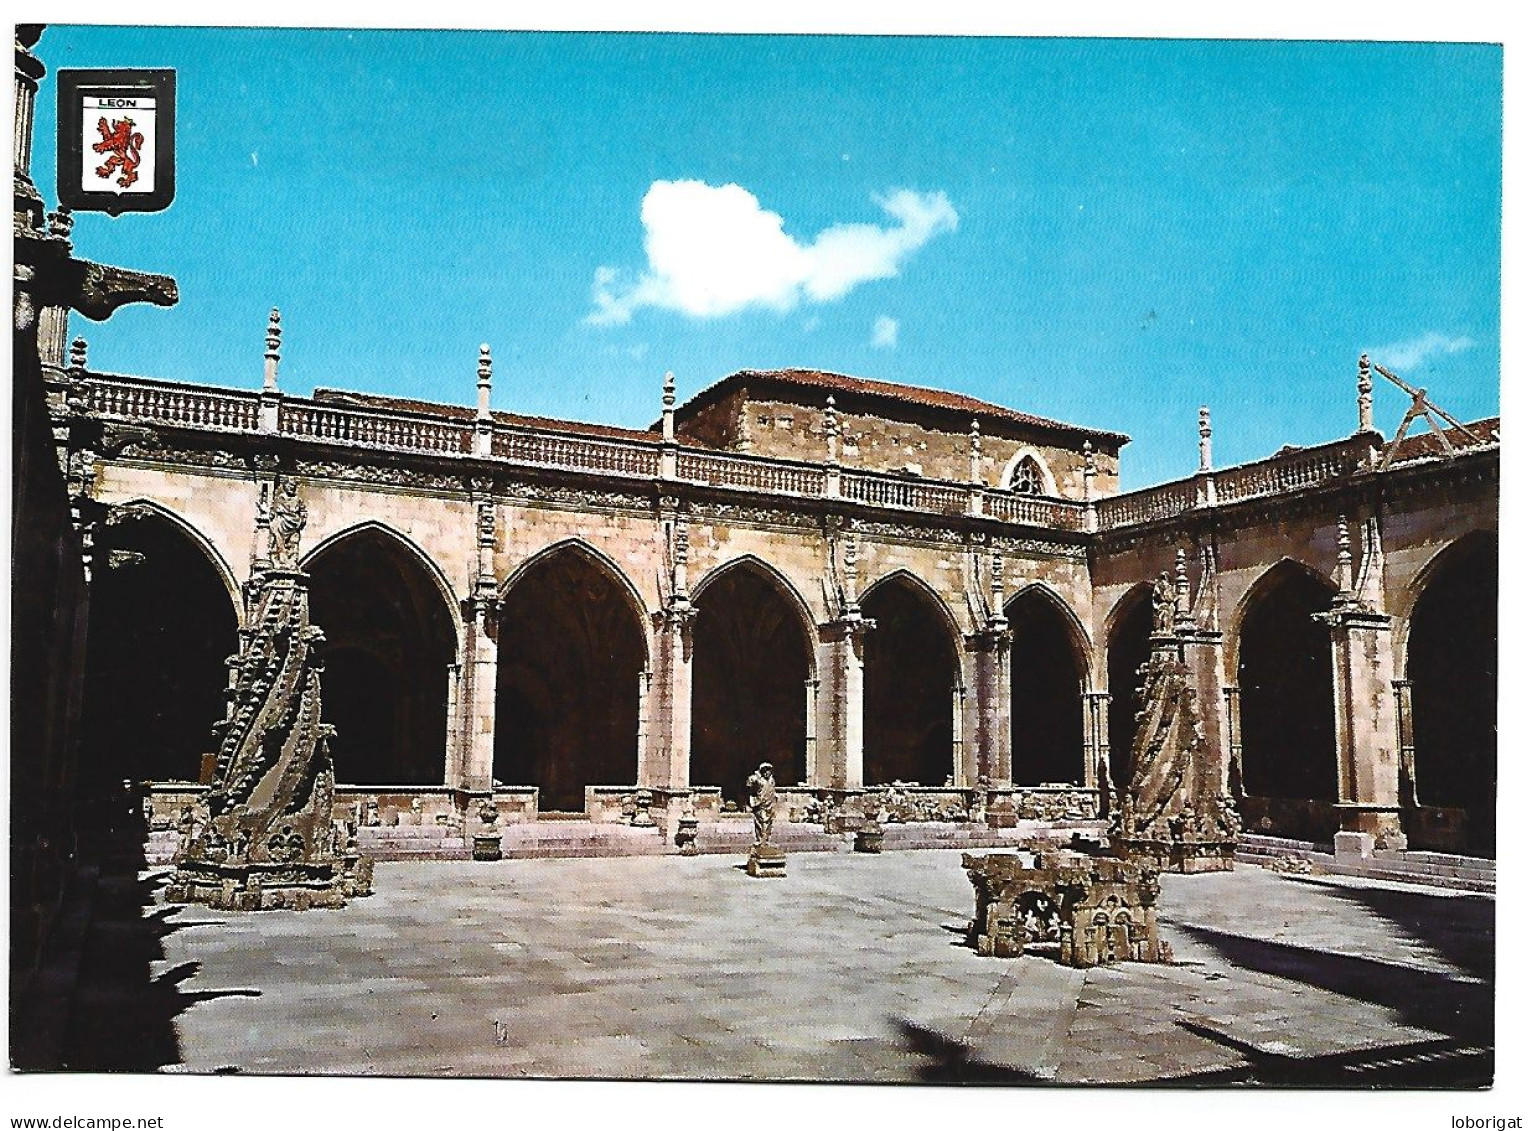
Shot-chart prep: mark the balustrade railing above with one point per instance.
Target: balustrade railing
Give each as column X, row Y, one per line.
column 1286, row 472
column 1148, row 505
column 169, row 404
column 1057, row 514
column 337, row 425
column 577, row 453
column 723, row 470
column 906, row 494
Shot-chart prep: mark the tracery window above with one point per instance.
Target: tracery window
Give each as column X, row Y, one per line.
column 1027, row 478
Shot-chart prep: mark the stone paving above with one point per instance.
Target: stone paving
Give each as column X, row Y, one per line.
column 850, row 969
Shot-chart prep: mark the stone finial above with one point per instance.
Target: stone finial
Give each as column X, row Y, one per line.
column 1090, row 471
column 996, row 582
column 1183, row 586
column 668, row 408
column 1364, row 395
column 973, row 451
column 832, row 428
column 77, row 355
column 273, row 348
column 486, row 380
column 1204, row 439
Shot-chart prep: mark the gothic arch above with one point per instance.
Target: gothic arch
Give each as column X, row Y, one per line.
column 601, row 561
column 1278, row 572
column 572, row 643
column 912, row 675
column 390, row 621
column 1050, row 484
column 1126, row 639
column 411, row 547
column 778, row 580
column 1445, row 559
column 753, row 659
column 925, row 590
column 141, row 506
column 162, row 621
column 1049, row 665
column 1078, row 634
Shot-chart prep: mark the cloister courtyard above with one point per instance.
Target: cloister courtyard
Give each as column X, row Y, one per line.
column 852, row 968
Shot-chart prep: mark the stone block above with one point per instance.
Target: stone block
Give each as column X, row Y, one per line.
column 766, row 861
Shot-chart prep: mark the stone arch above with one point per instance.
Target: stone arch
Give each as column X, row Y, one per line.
column 1274, row 574
column 409, row 545
column 1023, row 454
column 1127, row 631
column 390, row 621
column 752, row 660
column 1452, row 665
column 1285, row 677
column 927, row 591
column 220, row 564
column 911, row 676
column 777, row 578
column 163, row 619
column 598, row 559
column 1050, row 665
column 572, row 644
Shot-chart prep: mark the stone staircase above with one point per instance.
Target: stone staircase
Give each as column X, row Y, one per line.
column 1434, row 869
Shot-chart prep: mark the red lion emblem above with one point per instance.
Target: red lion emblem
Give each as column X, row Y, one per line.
column 125, row 147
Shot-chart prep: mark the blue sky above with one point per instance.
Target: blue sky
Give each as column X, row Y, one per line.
column 1111, row 232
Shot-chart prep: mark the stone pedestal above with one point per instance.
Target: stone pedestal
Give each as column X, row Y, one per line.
column 686, row 835
column 766, row 861
column 1000, row 810
column 869, row 838
column 486, row 846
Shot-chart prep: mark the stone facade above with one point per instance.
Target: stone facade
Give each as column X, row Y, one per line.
column 473, row 504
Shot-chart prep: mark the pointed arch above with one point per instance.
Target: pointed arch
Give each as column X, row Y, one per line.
column 391, row 625
column 1049, row 667
column 141, row 506
column 164, row 616
column 1045, row 473
column 925, row 591
column 1449, row 556
column 912, row 681
column 1280, row 571
column 778, row 580
column 409, row 546
column 573, row 647
column 752, row 670
column 596, row 558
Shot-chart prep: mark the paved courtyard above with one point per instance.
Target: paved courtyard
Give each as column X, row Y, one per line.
column 852, row 968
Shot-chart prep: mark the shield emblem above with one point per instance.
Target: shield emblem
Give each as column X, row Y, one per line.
column 116, row 140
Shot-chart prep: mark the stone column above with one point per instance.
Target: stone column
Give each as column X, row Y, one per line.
column 1234, row 737
column 811, row 731
column 1404, row 711
column 991, row 650
column 481, row 629
column 1095, row 746
column 665, row 760
column 839, row 744
column 1366, row 714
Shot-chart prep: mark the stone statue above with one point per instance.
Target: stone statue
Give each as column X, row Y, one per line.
column 288, row 518
column 1164, row 603
column 762, row 787
column 766, row 859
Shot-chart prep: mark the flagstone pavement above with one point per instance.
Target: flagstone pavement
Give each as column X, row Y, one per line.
column 852, row 968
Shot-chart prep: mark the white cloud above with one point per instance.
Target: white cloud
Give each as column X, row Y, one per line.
column 885, row 332
column 714, row 251
column 1405, row 356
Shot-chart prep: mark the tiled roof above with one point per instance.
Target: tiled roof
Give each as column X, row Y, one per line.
column 819, row 379
column 1426, row 444
column 462, row 412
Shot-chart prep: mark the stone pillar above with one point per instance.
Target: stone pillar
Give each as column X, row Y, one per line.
column 664, row 761
column 483, row 422
column 271, row 396
column 477, row 706
column 1095, row 752
column 959, row 717
column 1404, row 712
column 1234, row 737
column 811, row 731
column 991, row 650
column 1366, row 714
column 839, row 744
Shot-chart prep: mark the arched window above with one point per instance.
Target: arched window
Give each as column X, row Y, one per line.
column 1027, row 477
